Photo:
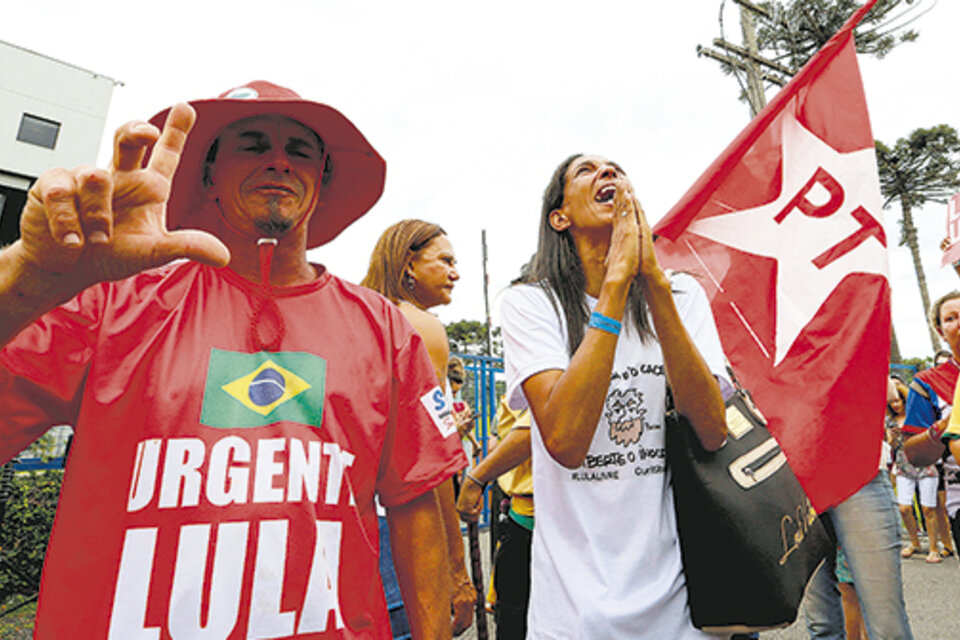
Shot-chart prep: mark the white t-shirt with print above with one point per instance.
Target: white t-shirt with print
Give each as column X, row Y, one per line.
column 606, row 557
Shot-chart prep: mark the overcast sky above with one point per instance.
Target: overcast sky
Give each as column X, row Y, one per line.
column 473, row 104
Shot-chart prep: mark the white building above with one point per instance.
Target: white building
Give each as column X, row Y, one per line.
column 52, row 114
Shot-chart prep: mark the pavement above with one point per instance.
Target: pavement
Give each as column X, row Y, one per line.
column 932, row 595
column 931, row 592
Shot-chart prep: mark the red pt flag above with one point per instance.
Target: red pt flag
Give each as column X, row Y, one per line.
column 785, row 232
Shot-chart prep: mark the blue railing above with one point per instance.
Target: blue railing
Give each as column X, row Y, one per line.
column 484, row 370
column 35, row 464
column 908, row 368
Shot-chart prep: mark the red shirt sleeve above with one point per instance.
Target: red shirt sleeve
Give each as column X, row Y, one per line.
column 42, row 371
column 419, row 452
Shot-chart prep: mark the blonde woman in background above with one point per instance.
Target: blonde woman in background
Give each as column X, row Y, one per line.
column 413, row 265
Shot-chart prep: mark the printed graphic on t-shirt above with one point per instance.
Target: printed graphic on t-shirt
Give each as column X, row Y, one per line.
column 625, row 415
column 628, row 419
column 257, row 389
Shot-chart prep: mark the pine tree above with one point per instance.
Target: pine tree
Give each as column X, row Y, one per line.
column 923, row 167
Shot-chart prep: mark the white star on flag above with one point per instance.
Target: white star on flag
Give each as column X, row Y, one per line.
column 784, row 229
column 825, row 225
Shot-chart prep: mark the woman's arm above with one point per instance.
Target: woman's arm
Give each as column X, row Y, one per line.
column 421, row 563
column 696, row 394
column 924, row 449
column 567, row 403
column 512, row 450
column 463, row 595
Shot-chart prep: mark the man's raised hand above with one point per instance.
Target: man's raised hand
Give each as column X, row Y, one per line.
column 88, row 225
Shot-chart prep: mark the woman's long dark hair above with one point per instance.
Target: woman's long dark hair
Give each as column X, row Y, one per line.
column 557, row 268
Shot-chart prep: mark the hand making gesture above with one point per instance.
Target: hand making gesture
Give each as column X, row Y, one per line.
column 87, row 225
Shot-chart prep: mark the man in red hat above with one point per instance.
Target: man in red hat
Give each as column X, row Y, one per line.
column 236, row 412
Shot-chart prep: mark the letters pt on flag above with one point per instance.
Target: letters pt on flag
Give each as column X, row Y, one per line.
column 785, row 232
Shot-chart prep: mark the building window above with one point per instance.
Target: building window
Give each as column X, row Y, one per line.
column 38, row 131
column 11, row 203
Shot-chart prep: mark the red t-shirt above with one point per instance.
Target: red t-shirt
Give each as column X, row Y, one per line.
column 213, row 490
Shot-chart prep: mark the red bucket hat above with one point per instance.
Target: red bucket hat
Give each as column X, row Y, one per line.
column 354, row 186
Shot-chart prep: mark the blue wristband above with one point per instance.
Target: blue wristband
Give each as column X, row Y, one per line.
column 602, row 322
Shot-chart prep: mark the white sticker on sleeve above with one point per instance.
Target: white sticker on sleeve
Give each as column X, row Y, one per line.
column 441, row 412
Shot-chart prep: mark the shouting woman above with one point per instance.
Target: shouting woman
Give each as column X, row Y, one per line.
column 591, row 346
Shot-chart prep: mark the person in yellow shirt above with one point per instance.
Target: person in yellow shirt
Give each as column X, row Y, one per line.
column 510, row 460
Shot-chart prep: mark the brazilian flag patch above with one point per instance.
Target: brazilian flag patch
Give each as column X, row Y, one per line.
column 257, row 389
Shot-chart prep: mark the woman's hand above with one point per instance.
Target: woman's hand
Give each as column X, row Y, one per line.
column 464, row 420
column 623, row 257
column 464, row 601
column 649, row 266
column 631, row 244
column 470, row 502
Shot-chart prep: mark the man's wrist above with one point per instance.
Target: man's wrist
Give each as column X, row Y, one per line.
column 25, row 293
column 31, row 287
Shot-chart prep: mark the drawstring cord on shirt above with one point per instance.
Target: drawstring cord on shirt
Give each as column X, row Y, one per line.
column 266, row 303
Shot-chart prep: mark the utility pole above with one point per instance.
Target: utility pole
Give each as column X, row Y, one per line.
column 746, row 58
column 486, row 292
column 755, row 95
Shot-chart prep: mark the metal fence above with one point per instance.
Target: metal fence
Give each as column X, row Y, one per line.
column 905, row 371
column 484, row 396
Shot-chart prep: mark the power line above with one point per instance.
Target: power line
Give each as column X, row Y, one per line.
column 747, row 58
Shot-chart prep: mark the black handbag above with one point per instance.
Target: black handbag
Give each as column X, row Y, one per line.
column 749, row 537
